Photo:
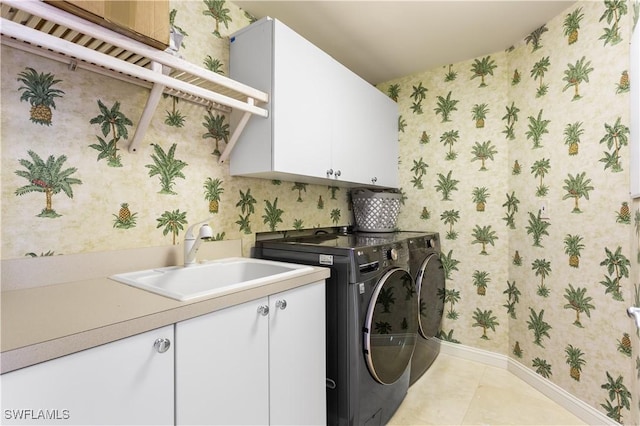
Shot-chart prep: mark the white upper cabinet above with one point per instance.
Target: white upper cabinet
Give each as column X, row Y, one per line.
column 326, row 125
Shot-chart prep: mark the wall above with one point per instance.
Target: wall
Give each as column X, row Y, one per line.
column 513, row 287
column 502, row 287
column 92, row 182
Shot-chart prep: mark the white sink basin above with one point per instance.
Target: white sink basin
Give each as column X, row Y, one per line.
column 212, row 278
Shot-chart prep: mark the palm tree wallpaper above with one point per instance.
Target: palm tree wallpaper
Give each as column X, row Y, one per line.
column 545, row 120
column 147, row 198
column 482, row 143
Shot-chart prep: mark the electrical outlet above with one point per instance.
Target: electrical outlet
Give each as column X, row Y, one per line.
column 544, row 209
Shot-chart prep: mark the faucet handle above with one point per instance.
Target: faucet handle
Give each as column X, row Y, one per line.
column 192, row 244
column 189, row 233
column 206, row 233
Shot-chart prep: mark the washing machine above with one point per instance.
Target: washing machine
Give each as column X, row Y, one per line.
column 426, row 269
column 372, row 317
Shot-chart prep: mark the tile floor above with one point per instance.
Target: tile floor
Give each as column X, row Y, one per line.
column 455, row 391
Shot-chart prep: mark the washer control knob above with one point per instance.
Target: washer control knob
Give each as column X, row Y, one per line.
column 392, row 254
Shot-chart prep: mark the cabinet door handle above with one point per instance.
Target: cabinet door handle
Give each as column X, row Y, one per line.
column 162, row 345
column 281, row 304
column 329, row 172
column 263, row 310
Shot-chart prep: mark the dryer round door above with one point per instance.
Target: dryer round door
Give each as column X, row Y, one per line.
column 391, row 326
column 430, row 282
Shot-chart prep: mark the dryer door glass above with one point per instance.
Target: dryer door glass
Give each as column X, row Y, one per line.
column 391, row 326
column 430, row 282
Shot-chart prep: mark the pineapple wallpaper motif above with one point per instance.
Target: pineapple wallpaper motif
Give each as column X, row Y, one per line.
column 38, row 90
column 482, row 143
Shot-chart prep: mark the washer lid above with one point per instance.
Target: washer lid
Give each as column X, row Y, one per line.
column 391, row 325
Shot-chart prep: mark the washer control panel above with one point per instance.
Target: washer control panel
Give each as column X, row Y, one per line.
column 395, row 254
column 428, row 241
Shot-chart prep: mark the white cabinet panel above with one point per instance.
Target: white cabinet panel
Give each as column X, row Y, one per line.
column 121, row 383
column 297, row 356
column 365, row 147
column 302, row 126
column 347, row 155
column 381, row 138
column 222, row 367
column 287, row 72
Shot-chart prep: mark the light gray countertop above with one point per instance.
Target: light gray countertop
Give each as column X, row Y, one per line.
column 45, row 322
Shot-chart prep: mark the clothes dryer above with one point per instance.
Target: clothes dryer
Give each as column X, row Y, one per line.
column 427, row 271
column 372, row 317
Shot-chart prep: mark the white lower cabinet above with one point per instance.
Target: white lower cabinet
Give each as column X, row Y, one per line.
column 126, row 382
column 257, row 363
column 261, row 362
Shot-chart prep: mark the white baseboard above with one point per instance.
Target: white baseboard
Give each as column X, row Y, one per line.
column 474, row 354
column 577, row 407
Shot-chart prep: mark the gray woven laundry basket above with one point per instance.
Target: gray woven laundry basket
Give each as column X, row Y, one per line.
column 375, row 211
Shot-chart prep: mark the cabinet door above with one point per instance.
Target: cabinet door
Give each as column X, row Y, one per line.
column 222, row 367
column 297, row 356
column 349, row 154
column 365, row 139
column 121, row 383
column 302, row 106
column 382, row 138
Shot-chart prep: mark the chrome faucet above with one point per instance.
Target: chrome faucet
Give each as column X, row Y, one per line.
column 192, row 244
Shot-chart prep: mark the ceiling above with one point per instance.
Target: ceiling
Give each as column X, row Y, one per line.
column 383, row 40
